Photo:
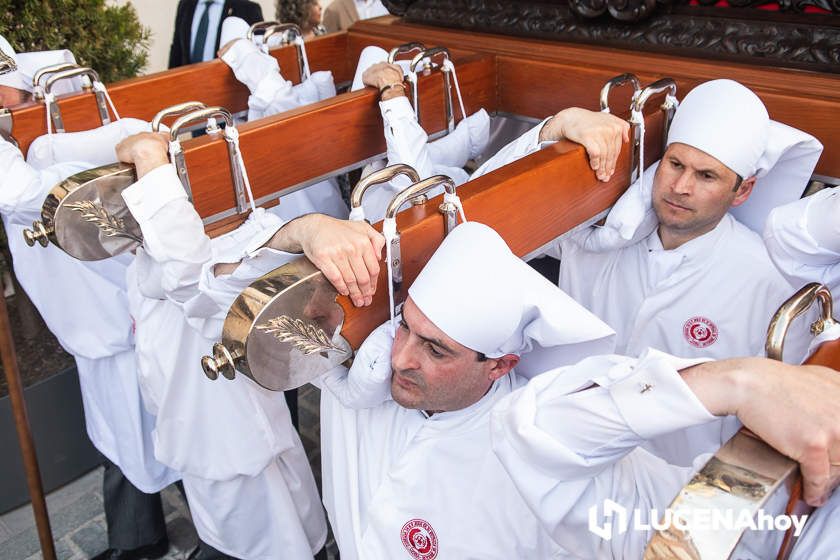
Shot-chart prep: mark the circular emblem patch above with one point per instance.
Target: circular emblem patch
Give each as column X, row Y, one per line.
column 419, row 539
column 700, row 332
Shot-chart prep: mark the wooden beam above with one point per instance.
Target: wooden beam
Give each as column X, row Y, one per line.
column 293, row 147
column 211, row 82
column 803, row 99
column 529, row 202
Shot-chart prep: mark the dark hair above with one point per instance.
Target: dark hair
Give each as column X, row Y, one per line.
column 294, row 11
column 738, row 181
column 481, row 357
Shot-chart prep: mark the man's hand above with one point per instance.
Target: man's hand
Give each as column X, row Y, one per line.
column 383, row 74
column 792, row 408
column 348, row 253
column 146, row 150
column 600, row 133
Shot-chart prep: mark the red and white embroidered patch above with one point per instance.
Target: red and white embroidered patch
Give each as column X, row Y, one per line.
column 419, row 539
column 700, row 332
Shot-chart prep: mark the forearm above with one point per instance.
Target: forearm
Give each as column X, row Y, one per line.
column 173, row 232
column 406, row 141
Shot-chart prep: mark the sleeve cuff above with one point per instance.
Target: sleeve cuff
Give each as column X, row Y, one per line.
column 153, row 191
column 396, row 108
column 654, row 400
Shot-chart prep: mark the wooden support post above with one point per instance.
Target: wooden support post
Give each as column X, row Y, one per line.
column 27, row 443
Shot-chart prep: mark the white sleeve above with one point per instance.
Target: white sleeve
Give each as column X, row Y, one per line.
column 405, row 139
column 568, row 449
column 523, row 146
column 823, row 222
column 219, row 291
column 803, row 239
column 24, row 188
column 173, row 233
column 260, row 73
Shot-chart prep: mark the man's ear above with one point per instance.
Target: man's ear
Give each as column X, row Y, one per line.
column 503, row 366
column 742, row 193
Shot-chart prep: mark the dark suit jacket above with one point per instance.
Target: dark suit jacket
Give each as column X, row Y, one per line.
column 179, row 52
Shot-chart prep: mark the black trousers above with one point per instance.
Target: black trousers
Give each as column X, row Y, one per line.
column 134, row 518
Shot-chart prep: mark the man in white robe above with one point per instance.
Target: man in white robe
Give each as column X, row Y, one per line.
column 672, row 269
column 246, row 475
column 89, row 317
column 407, row 467
column 572, row 438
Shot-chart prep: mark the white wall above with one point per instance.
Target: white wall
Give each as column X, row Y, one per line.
column 159, row 16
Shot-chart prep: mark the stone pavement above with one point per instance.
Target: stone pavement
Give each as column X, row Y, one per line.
column 78, row 520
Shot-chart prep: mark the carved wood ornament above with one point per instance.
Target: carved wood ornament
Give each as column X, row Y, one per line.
column 789, row 33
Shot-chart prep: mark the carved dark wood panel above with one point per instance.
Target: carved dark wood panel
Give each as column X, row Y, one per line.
column 741, row 33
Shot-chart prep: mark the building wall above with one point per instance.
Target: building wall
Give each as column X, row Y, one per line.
column 159, row 16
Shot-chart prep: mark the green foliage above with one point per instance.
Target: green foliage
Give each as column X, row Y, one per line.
column 109, row 39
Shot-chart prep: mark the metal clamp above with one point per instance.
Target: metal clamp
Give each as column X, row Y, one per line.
column 38, row 88
column 377, row 178
column 401, row 52
column 291, row 34
column 175, row 110
column 449, row 211
column 38, row 233
column 618, row 81
column 210, row 114
column 795, row 306
column 428, row 57
column 669, row 107
column 258, row 29
column 101, row 103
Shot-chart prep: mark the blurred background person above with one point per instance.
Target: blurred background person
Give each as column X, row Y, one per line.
column 306, row 14
column 198, row 27
column 341, row 14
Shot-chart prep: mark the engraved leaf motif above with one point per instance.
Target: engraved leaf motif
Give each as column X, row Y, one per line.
column 306, row 337
column 95, row 213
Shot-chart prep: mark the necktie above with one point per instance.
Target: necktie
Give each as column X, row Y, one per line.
column 201, row 34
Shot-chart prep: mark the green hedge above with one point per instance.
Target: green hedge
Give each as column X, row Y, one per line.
column 109, row 39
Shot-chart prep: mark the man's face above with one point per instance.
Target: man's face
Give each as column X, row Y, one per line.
column 431, row 371
column 692, row 191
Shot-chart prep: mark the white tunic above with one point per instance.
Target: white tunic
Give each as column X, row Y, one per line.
column 88, row 314
column 713, row 296
column 400, row 484
column 568, row 450
column 245, row 471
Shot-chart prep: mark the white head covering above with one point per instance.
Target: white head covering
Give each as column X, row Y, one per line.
column 233, row 28
column 29, row 63
column 484, row 297
column 730, row 123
